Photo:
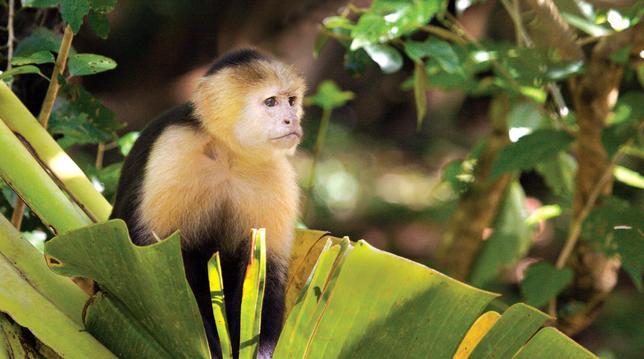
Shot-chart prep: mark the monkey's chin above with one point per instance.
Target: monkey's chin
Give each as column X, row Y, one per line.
column 286, row 142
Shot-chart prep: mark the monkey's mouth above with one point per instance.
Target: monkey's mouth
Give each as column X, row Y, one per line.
column 289, row 136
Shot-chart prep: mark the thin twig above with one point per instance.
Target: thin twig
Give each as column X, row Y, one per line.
column 54, row 86
column 100, row 151
column 48, row 104
column 575, row 227
column 445, row 34
column 319, row 143
column 10, row 33
column 18, row 212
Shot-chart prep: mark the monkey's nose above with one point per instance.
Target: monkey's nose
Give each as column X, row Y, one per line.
column 287, row 121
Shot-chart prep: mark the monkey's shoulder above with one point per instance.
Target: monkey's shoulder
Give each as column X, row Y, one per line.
column 133, row 170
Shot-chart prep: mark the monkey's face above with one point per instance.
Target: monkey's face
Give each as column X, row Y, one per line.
column 271, row 121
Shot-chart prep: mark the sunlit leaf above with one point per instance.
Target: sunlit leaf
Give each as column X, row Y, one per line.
column 332, row 22
column 517, row 324
column 387, row 57
column 629, row 177
column 40, row 3
column 543, row 213
column 216, row 283
column 530, row 150
column 388, row 19
column 40, row 57
column 21, row 70
column 477, row 331
column 126, row 142
column 253, row 296
column 585, row 25
column 89, row 64
column 543, row 282
column 47, row 305
column 551, row 343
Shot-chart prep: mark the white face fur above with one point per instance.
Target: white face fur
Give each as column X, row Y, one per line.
column 270, row 121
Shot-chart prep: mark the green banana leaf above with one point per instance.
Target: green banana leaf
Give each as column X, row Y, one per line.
column 216, row 284
column 361, row 302
column 253, row 296
column 20, row 170
column 18, row 118
column 37, row 299
column 145, row 308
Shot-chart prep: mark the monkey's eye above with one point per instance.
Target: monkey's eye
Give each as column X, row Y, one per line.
column 291, row 100
column 270, row 102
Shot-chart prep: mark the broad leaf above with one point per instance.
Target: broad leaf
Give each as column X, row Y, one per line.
column 41, row 39
column 89, row 64
column 99, row 23
column 543, row 282
column 48, row 305
column 40, row 57
column 145, row 308
column 439, row 50
column 511, row 331
column 616, row 227
column 329, row 96
column 630, row 246
column 405, row 309
column 73, row 12
column 398, row 299
column 559, row 173
column 82, row 118
column 551, row 343
column 21, row 70
column 530, row 150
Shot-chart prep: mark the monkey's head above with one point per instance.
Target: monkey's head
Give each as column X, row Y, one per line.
column 252, row 103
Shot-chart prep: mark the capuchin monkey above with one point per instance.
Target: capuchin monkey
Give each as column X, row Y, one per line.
column 213, row 169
